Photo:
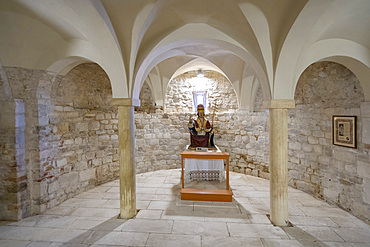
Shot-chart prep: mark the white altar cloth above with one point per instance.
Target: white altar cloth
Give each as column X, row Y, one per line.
column 204, row 169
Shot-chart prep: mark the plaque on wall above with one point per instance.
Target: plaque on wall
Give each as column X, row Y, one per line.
column 344, row 131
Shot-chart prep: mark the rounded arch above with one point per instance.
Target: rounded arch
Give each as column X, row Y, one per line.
column 174, row 49
column 215, row 89
column 195, row 64
column 66, row 64
column 192, row 35
column 319, row 33
column 348, row 53
column 204, row 64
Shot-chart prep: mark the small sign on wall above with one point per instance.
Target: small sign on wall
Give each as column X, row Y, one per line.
column 344, row 131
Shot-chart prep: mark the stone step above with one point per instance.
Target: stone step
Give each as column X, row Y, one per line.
column 189, row 194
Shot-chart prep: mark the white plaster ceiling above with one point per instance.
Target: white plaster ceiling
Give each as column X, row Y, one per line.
column 251, row 42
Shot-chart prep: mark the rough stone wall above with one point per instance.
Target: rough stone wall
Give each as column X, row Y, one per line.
column 79, row 146
column 333, row 173
column 258, row 100
column 58, row 137
column 179, row 95
column 19, row 132
column 8, row 164
column 147, row 103
column 160, row 138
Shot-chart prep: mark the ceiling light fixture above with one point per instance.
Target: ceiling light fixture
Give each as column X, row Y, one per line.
column 200, row 73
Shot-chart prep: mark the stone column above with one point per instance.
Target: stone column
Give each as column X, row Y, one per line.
column 127, row 171
column 279, row 160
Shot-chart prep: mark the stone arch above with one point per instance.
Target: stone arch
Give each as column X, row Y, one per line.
column 147, row 102
column 220, row 91
column 78, row 141
column 188, row 35
column 348, row 53
column 327, row 171
column 66, row 64
column 316, row 90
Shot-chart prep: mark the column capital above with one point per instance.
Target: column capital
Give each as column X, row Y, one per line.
column 279, row 104
column 125, row 102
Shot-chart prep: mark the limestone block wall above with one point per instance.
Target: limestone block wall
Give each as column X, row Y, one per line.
column 147, row 103
column 258, row 101
column 336, row 174
column 79, row 145
column 160, row 137
column 179, row 94
column 58, row 137
column 18, row 113
column 8, row 163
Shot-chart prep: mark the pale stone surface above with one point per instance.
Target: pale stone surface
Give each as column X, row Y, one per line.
column 148, row 225
column 127, row 170
column 278, row 166
column 213, row 241
column 366, row 130
column 179, row 95
column 90, row 221
column 336, row 174
column 314, row 165
column 169, row 240
column 147, row 103
column 365, row 109
column 161, row 150
column 203, row 228
column 58, row 133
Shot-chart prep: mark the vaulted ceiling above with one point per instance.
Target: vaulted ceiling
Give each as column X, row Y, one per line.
column 252, row 42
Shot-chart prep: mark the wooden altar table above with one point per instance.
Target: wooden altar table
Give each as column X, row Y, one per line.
column 205, row 194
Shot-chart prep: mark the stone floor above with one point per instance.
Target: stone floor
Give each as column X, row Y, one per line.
column 90, row 219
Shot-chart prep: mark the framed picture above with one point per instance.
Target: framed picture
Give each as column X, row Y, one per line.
column 344, row 131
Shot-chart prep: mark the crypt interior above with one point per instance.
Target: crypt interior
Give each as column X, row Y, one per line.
column 96, row 94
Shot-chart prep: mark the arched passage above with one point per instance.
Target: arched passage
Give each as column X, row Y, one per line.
column 217, row 89
column 316, row 166
column 77, row 138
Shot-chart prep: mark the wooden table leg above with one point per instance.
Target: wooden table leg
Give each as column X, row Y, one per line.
column 182, row 171
column 227, row 174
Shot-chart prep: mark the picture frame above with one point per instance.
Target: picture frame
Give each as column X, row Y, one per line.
column 345, row 131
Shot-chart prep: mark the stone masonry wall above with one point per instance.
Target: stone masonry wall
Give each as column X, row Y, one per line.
column 160, row 138
column 333, row 173
column 18, row 112
column 179, row 95
column 147, row 103
column 258, row 100
column 8, row 163
column 79, row 146
column 58, row 137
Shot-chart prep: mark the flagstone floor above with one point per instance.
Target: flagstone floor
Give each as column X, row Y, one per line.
column 90, row 219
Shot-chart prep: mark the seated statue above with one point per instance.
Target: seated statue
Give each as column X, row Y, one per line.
column 201, row 131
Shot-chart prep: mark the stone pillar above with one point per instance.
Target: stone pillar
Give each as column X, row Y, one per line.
column 127, row 171
column 279, row 160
